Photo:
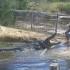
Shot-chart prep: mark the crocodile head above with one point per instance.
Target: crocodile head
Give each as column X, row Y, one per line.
column 43, row 45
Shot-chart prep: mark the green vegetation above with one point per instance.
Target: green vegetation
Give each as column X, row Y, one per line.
column 6, row 44
column 6, row 15
column 9, row 44
column 52, row 6
column 21, row 4
column 63, row 7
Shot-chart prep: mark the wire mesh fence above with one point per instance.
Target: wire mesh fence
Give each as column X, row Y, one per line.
column 40, row 21
column 33, row 20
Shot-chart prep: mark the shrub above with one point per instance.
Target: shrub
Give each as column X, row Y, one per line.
column 64, row 8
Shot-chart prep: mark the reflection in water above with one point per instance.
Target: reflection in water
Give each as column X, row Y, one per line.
column 29, row 59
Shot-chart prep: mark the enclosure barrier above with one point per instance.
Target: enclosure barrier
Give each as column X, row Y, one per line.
column 40, row 21
column 54, row 66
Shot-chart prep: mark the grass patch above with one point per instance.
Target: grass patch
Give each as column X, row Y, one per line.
column 52, row 7
column 7, row 44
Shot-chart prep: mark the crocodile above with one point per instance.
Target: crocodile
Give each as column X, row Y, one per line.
column 46, row 43
column 37, row 45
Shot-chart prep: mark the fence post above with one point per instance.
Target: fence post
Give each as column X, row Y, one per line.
column 31, row 20
column 54, row 66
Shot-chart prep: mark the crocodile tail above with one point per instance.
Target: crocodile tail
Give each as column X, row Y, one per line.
column 49, row 38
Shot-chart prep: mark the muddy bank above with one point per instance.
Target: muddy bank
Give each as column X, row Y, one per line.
column 62, row 55
column 60, row 51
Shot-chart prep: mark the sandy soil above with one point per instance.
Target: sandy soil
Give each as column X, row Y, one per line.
column 62, row 55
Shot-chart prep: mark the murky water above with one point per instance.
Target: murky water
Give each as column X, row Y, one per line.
column 30, row 59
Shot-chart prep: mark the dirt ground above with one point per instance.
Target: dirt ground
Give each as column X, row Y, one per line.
column 44, row 28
